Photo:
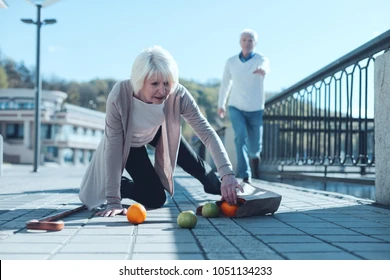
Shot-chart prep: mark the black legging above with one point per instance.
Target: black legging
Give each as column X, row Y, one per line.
column 146, row 187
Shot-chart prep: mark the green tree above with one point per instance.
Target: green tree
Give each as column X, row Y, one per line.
column 14, row 77
column 3, row 78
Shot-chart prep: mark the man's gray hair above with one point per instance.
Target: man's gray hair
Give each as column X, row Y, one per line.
column 249, row 32
column 154, row 61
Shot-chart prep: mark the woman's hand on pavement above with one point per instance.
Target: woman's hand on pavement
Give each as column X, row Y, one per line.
column 228, row 189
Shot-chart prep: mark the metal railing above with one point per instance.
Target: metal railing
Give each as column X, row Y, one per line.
column 326, row 119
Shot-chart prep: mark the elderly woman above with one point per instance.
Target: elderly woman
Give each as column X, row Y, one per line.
column 147, row 109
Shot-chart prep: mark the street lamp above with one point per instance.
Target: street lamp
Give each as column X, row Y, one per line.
column 38, row 83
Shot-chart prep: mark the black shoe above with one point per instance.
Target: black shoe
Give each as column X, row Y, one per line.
column 246, row 180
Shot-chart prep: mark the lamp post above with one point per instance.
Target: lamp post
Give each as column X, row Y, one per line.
column 38, row 84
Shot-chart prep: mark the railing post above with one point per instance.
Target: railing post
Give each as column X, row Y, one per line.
column 382, row 139
column 1, row 155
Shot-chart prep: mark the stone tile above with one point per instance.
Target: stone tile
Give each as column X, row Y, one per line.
column 382, row 237
column 365, row 247
column 361, row 224
column 32, row 232
column 121, row 239
column 246, row 243
column 329, row 231
column 374, row 255
column 372, row 231
column 301, row 225
column 224, row 256
column 296, row 217
column 166, row 256
column 275, row 231
column 346, row 238
column 163, row 231
column 100, row 256
column 164, row 238
column 263, row 255
column 303, row 247
column 321, row 256
column 107, row 231
column 28, row 248
column 287, row 239
column 96, row 248
column 24, row 256
column 18, row 238
column 214, row 244
column 166, row 248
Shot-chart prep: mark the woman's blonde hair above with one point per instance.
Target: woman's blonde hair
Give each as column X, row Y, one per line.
column 154, row 61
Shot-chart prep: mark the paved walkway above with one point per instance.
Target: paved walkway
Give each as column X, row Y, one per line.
column 309, row 224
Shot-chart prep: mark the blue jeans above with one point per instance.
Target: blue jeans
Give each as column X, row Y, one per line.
column 248, row 138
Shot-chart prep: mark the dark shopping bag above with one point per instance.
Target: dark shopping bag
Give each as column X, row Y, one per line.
column 255, row 201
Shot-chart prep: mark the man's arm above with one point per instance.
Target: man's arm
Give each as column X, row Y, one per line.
column 224, row 90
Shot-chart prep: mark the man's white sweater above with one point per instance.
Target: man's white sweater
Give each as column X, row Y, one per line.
column 246, row 88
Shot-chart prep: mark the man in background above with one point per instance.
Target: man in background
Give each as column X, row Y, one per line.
column 243, row 78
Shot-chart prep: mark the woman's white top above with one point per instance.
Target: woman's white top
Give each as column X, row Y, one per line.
column 146, row 120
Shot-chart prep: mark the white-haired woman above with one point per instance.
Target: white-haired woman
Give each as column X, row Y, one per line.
column 146, row 109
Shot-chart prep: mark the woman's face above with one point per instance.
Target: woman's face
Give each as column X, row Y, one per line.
column 155, row 90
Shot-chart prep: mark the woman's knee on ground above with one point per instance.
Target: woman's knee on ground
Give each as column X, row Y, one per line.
column 155, row 202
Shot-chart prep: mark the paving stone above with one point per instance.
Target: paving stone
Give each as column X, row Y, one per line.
column 361, row 224
column 365, row 247
column 346, row 238
column 328, row 231
column 303, row 247
column 302, row 225
column 95, row 248
column 166, row 256
column 382, row 237
column 275, row 231
column 372, row 231
column 166, row 248
column 214, row 244
column 224, row 256
column 374, row 255
column 32, row 232
column 120, row 239
column 128, row 230
column 100, row 256
column 177, row 238
column 287, row 239
column 263, row 255
column 306, row 226
column 246, row 243
column 24, row 256
column 28, row 248
column 321, row 256
column 22, row 239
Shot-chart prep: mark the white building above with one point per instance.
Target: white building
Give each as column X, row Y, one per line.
column 69, row 133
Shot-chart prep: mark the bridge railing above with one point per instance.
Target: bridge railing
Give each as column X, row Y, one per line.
column 326, row 119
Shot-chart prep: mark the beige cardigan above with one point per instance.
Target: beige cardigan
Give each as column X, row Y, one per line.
column 102, row 178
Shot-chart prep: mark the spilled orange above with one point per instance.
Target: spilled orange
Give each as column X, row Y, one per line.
column 136, row 214
column 230, row 210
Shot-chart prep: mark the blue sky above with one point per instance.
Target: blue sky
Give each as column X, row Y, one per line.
column 101, row 38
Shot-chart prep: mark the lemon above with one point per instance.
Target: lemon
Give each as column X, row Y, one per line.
column 210, row 210
column 187, row 219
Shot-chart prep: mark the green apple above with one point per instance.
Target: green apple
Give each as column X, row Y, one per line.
column 210, row 210
column 187, row 219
